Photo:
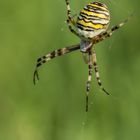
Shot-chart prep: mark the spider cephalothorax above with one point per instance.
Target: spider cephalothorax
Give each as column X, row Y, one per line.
column 91, row 27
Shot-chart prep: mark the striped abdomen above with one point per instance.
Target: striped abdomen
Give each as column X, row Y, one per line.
column 93, row 19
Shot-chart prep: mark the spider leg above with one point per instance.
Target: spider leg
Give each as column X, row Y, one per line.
column 49, row 56
column 94, row 61
column 70, row 20
column 109, row 32
column 71, row 29
column 89, row 77
column 114, row 28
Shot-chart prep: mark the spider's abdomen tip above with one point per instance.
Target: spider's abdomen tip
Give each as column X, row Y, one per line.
column 93, row 19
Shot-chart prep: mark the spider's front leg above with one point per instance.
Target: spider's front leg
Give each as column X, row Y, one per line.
column 70, row 20
column 53, row 54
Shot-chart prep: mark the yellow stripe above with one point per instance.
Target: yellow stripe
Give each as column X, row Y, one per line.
column 94, row 14
column 94, row 5
column 95, row 26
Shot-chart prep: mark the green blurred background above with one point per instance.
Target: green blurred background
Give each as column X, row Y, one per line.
column 54, row 109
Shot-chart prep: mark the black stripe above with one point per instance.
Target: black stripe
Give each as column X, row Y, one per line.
column 88, row 86
column 95, row 11
column 95, row 8
column 52, row 54
column 114, row 28
column 69, row 12
column 44, row 61
column 59, row 52
column 44, row 57
column 97, row 78
column 39, row 59
column 90, row 73
column 90, row 70
column 90, row 67
column 99, row 83
column 67, row 2
column 96, row 69
column 85, row 28
column 87, row 103
column 105, row 33
column 99, row 4
column 39, row 64
column 90, row 16
column 94, row 64
column 91, row 21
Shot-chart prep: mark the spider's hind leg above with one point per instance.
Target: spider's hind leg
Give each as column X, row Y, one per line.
column 89, row 77
column 94, row 61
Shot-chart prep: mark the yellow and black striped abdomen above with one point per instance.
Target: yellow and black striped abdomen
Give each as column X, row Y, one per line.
column 93, row 19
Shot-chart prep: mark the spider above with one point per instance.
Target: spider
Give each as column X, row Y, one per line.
column 91, row 26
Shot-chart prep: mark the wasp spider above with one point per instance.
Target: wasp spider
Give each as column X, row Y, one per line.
column 91, row 26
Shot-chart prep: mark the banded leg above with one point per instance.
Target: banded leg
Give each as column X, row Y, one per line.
column 109, row 32
column 70, row 20
column 71, row 29
column 94, row 61
column 53, row 54
column 89, row 77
